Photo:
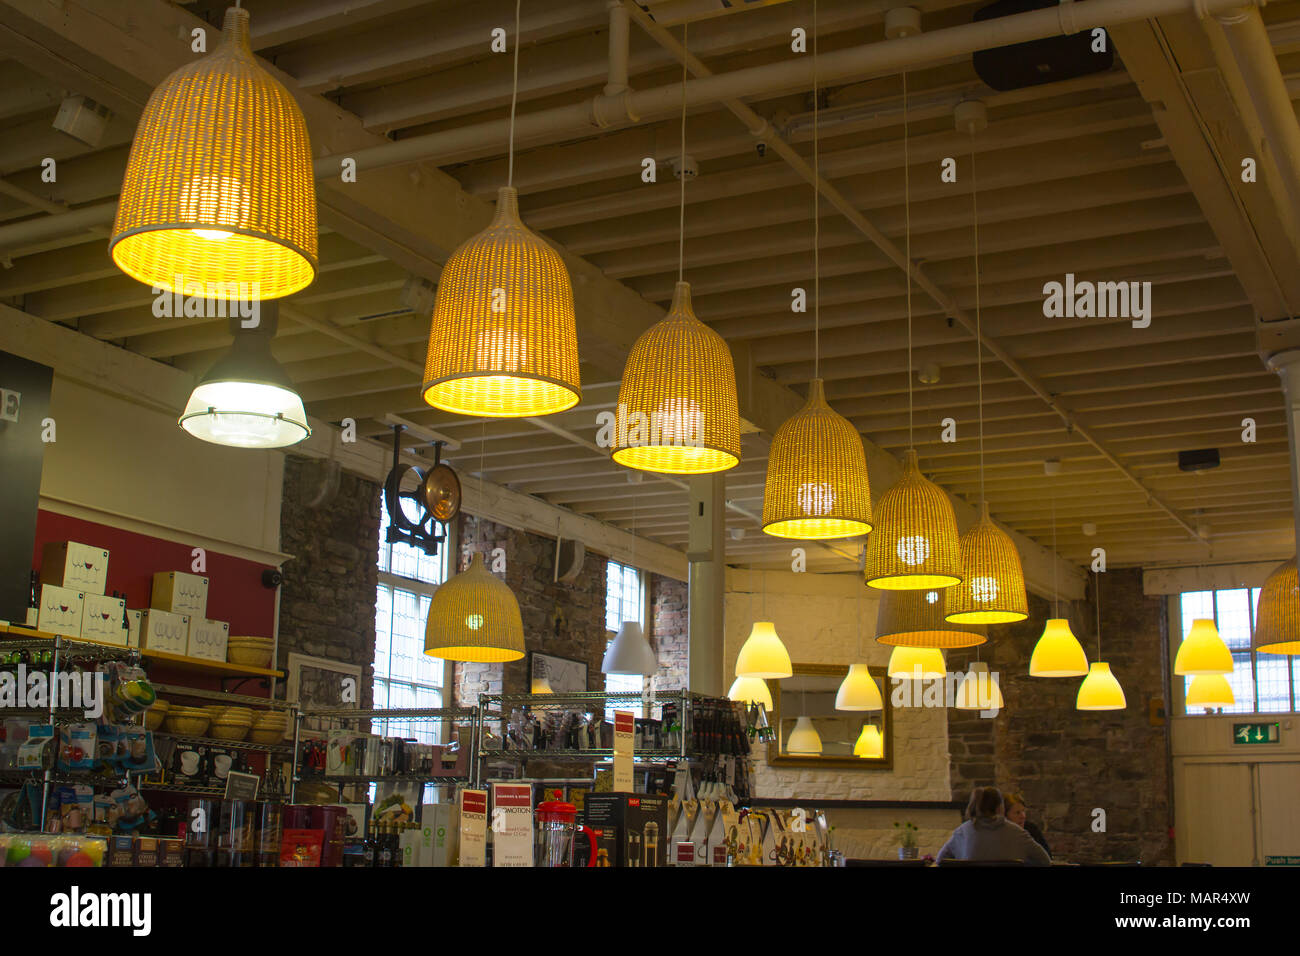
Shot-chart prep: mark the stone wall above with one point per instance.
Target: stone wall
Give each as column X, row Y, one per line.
column 669, row 631
column 327, row 600
column 578, row 633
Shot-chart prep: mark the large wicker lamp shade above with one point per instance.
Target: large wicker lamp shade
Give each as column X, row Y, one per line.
column 503, row 343
column 474, row 617
column 677, row 401
column 915, row 619
column 219, row 198
column 914, row 544
column 817, row 485
column 1277, row 616
column 992, row 590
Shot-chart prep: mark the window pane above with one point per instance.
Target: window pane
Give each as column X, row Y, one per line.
column 1234, row 618
column 1274, row 689
column 1196, row 604
column 615, row 683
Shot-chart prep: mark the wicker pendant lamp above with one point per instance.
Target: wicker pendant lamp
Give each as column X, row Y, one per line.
column 503, row 343
column 219, row 198
column 1101, row 689
column 817, row 487
column 474, row 617
column 1277, row 615
column 677, row 405
column 915, row 619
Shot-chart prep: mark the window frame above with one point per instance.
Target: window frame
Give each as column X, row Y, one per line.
column 643, row 604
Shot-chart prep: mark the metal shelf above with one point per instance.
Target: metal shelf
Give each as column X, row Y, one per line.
column 173, row 690
column 342, row 713
column 70, row 778
column 285, row 747
column 388, row 778
column 601, row 754
column 16, row 638
column 198, row 791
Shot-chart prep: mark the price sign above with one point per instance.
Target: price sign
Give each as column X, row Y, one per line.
column 242, row 786
column 512, row 824
column 624, row 728
column 473, row 827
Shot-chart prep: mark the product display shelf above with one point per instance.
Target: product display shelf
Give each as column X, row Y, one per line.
column 16, row 638
column 283, row 748
column 59, row 778
column 270, row 796
column 220, row 696
column 201, row 666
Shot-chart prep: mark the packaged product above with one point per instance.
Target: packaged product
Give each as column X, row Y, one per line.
column 37, row 751
column 77, row 749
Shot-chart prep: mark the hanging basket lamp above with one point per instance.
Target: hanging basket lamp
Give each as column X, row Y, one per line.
column 992, row 590
column 219, row 198
column 914, row 544
column 915, row 619
column 1277, row 615
column 817, row 487
column 677, row 411
column 474, row 617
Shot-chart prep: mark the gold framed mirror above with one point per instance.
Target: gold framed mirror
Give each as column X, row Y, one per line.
column 810, row 693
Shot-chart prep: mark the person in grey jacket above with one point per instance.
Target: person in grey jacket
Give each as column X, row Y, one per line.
column 988, row 835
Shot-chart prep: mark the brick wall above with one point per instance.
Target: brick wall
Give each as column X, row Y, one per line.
column 327, row 600
column 669, row 631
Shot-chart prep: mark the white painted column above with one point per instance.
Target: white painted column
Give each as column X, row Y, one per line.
column 1287, row 366
column 706, row 551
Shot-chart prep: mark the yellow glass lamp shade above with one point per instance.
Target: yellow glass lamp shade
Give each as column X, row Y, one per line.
column 219, row 198
column 1058, row 652
column 915, row 619
column 979, row 690
column 916, row 663
column 751, row 690
column 677, row 407
column 992, row 590
column 804, row 741
column 1210, row 690
column 502, row 343
column 1100, row 690
column 817, row 486
column 763, row 655
column 858, row 690
column 869, row 743
column 914, row 544
column 1203, row 651
column 1277, row 616
column 474, row 617
column 540, row 685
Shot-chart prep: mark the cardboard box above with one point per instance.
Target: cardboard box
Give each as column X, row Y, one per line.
column 121, row 850
column 164, row 631
column 101, row 620
column 606, row 846
column 171, row 851
column 67, row 564
column 642, row 822
column 133, row 621
column 60, row 610
column 207, row 639
column 180, row 593
column 146, row 851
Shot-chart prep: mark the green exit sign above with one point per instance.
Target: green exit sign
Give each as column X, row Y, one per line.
column 1256, row 733
column 1282, row 861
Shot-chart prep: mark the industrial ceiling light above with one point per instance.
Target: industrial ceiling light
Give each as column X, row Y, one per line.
column 1203, row 651
column 1277, row 615
column 246, row 400
column 629, row 652
column 677, row 405
column 817, row 486
column 804, row 741
column 916, row 619
column 763, row 655
column 979, row 690
column 916, row 663
column 219, row 198
column 1210, row 690
column 474, row 617
column 1100, row 690
column 869, row 743
column 750, row 691
column 502, row 343
column 858, row 690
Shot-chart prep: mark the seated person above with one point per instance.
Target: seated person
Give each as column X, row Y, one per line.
column 1018, row 814
column 989, row 835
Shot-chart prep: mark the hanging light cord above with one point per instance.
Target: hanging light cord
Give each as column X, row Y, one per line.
column 514, row 100
column 979, row 340
column 817, row 222
column 1056, row 559
column 907, row 271
column 1096, row 593
column 681, row 168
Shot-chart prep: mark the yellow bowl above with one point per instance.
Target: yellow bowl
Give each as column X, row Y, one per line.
column 263, row 735
column 186, row 726
column 229, row 731
column 247, row 656
column 154, row 716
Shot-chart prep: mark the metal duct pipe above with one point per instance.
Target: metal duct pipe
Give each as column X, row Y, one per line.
column 773, row 79
column 619, row 35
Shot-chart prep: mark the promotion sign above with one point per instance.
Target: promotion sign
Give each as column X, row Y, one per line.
column 473, row 828
column 512, row 824
column 624, row 728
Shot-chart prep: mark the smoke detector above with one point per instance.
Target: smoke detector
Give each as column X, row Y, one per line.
column 902, row 22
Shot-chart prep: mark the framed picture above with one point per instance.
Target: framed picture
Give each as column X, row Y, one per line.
column 318, row 683
column 563, row 674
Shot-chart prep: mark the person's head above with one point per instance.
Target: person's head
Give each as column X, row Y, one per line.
column 1015, row 811
column 984, row 802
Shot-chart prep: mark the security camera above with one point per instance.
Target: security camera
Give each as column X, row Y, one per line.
column 762, row 149
column 272, row 578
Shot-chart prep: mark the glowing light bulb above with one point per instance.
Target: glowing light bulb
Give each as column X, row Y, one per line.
column 214, row 199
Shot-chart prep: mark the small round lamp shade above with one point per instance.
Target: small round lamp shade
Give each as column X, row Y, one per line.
column 502, row 343
column 915, row 619
column 750, row 690
column 979, row 690
column 914, row 544
column 629, row 652
column 1203, row 651
column 1277, row 616
column 1058, row 652
column 474, row 617
column 763, row 655
column 1210, row 690
column 219, row 198
column 817, row 486
column 677, row 407
column 804, row 741
column 992, row 590
column 1100, row 690
column 858, row 690
column 916, row 663
column 869, row 743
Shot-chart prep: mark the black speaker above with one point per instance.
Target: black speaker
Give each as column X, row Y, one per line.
column 1039, row 61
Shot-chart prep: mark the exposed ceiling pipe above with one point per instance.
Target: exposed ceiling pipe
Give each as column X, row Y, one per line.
column 632, row 107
